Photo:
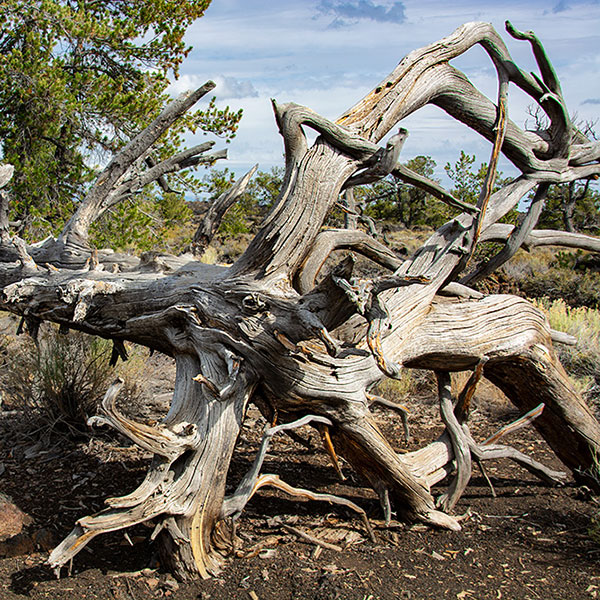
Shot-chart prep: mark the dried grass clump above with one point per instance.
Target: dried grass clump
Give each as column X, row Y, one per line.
column 59, row 381
column 582, row 361
column 413, row 383
column 556, row 275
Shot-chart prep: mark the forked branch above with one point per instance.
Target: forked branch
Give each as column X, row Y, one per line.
column 122, row 166
column 212, row 220
column 160, row 439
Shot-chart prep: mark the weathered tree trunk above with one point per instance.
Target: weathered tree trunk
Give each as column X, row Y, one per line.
column 515, row 340
column 307, row 347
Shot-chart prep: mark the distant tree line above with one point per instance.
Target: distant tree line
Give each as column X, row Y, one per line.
column 573, row 206
column 80, row 79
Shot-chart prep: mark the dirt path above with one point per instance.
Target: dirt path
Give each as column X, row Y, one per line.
column 529, row 542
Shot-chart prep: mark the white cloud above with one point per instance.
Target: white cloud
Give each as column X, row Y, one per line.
column 262, row 50
column 349, row 12
column 226, row 87
column 230, row 87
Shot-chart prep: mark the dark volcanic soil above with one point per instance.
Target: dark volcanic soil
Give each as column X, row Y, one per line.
column 529, row 542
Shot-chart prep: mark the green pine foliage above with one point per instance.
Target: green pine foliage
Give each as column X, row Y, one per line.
column 393, row 200
column 584, row 201
column 469, row 181
column 252, row 206
column 147, row 222
column 78, row 78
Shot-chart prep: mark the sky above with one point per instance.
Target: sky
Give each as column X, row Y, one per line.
column 327, row 54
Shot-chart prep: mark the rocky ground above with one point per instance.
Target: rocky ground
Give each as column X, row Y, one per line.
column 530, row 541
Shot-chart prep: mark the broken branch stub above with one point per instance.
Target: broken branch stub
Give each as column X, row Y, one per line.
column 302, row 346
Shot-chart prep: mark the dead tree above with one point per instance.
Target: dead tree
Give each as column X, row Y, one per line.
column 307, row 347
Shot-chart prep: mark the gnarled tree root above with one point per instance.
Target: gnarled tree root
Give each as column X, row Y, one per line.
column 184, row 488
column 515, row 338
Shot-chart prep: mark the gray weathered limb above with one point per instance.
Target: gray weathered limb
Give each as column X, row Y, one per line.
column 500, row 232
column 381, row 163
column 234, row 504
column 7, row 251
column 350, row 215
column 211, row 221
column 122, row 167
column 342, row 239
column 459, row 441
column 515, row 241
column 141, row 178
column 432, row 187
column 399, row 408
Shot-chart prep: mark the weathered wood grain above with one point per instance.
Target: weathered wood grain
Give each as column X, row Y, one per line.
column 274, row 330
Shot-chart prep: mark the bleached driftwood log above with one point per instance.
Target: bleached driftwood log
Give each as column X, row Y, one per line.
column 271, row 330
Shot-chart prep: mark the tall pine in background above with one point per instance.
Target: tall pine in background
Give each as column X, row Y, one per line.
column 78, row 78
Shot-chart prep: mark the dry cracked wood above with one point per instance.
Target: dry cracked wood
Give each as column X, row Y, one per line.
column 268, row 330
